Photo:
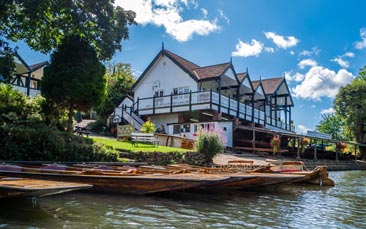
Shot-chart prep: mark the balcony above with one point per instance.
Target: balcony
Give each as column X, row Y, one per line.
column 206, row 100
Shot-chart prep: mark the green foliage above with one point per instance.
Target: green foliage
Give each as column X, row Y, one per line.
column 148, row 127
column 47, row 144
column 209, row 144
column 75, row 78
column 16, row 108
column 44, row 24
column 350, row 104
column 332, row 124
column 7, row 64
column 119, row 82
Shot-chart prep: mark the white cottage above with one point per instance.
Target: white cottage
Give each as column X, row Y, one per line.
column 182, row 96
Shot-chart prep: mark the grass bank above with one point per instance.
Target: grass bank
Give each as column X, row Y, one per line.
column 128, row 147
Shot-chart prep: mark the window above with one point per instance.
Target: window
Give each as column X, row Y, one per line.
column 176, row 129
column 180, row 90
column 159, row 93
column 159, row 101
column 181, row 95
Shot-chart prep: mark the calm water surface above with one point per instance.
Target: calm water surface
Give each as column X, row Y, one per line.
column 342, row 206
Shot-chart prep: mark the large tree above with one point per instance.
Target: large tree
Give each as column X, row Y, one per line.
column 332, row 124
column 350, row 104
column 43, row 24
column 119, row 82
column 75, row 77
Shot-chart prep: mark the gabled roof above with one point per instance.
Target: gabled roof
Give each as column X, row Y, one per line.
column 195, row 71
column 242, row 76
column 269, row 85
column 255, row 84
column 212, row 71
column 35, row 67
column 183, row 63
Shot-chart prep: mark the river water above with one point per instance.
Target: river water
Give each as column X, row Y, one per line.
column 287, row 206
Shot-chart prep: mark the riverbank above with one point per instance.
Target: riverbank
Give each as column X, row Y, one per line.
column 222, row 159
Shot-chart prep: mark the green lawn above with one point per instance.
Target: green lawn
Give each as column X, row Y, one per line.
column 127, row 146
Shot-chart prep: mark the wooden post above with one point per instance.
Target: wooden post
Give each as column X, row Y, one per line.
column 253, row 141
column 28, row 83
column 298, row 149
column 171, row 102
column 153, row 104
column 211, row 99
column 355, row 153
column 190, row 100
column 137, row 104
column 337, row 160
column 219, row 86
column 315, row 150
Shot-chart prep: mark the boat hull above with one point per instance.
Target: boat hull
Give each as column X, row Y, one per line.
column 19, row 187
column 130, row 184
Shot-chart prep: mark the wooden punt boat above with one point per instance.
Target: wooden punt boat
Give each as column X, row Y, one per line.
column 317, row 176
column 11, row 187
column 255, row 179
column 117, row 181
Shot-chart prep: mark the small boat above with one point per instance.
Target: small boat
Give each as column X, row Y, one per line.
column 129, row 181
column 245, row 179
column 235, row 169
column 318, row 175
column 11, row 187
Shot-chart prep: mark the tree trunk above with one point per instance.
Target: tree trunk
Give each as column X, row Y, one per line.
column 71, row 116
column 362, row 151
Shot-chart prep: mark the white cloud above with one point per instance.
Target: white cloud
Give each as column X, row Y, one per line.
column 223, row 16
column 307, row 62
column 167, row 13
column 183, row 31
column 327, row 111
column 204, row 12
column 248, row 49
column 343, row 63
column 349, row 54
column 292, row 53
column 314, row 51
column 361, row 44
column 290, row 76
column 281, row 41
column 320, row 81
column 269, row 49
column 301, row 129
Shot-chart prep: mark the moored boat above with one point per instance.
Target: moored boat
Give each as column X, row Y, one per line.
column 11, row 187
column 121, row 181
column 317, row 176
column 245, row 178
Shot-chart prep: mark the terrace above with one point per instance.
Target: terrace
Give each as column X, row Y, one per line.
column 208, row 101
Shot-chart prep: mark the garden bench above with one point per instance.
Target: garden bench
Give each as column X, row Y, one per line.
column 144, row 138
column 81, row 131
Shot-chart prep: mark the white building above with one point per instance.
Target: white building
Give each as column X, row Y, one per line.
column 181, row 95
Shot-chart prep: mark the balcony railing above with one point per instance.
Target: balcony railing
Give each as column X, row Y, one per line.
column 205, row 100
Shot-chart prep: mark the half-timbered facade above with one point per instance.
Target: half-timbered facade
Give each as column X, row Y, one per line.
column 26, row 77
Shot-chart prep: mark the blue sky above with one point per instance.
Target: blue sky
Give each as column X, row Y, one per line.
column 318, row 45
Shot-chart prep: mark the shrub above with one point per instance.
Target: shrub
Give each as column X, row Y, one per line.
column 148, row 127
column 47, row 144
column 208, row 143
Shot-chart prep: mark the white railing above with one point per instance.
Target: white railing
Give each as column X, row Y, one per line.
column 211, row 99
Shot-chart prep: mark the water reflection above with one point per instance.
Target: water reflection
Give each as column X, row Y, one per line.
column 280, row 207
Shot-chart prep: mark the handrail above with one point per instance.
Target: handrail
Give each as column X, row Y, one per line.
column 213, row 99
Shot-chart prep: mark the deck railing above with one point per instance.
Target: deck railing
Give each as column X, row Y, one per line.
column 205, row 100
